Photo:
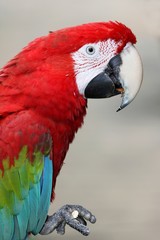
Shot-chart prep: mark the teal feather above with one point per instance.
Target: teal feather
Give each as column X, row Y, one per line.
column 22, row 219
column 46, row 188
column 17, row 205
column 6, row 225
column 16, row 235
column 34, row 199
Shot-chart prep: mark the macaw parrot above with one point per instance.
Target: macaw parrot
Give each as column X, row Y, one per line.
column 43, row 99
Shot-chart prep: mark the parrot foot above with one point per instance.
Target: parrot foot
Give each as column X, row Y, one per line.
column 73, row 215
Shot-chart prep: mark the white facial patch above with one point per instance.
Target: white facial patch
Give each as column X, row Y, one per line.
column 92, row 59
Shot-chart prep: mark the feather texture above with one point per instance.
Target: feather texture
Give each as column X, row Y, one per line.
column 25, row 190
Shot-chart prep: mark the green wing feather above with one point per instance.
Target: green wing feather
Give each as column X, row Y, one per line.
column 16, row 180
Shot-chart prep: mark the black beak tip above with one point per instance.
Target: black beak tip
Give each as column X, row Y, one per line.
column 119, row 109
column 123, row 105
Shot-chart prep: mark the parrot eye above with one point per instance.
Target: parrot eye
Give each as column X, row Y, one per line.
column 90, row 50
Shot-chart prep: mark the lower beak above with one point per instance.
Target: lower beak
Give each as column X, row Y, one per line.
column 123, row 75
column 102, row 86
column 107, row 83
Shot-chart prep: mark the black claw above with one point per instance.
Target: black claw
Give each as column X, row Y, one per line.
column 65, row 216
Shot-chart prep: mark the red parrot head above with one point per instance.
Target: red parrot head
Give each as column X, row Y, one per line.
column 95, row 60
column 106, row 63
column 105, row 60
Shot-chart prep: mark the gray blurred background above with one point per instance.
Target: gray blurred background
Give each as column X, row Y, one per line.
column 113, row 166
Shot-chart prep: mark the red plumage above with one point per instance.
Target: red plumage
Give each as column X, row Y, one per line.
column 39, row 95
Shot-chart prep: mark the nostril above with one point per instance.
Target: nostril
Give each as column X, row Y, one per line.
column 109, row 70
column 113, row 68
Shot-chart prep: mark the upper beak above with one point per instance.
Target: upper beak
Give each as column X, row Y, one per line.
column 123, row 75
column 131, row 74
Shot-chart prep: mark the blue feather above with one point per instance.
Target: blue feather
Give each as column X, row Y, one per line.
column 22, row 219
column 16, row 234
column 46, row 189
column 34, row 198
column 6, row 225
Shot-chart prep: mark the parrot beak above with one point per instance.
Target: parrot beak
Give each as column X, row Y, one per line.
column 123, row 75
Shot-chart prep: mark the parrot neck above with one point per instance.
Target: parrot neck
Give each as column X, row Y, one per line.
column 63, row 132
